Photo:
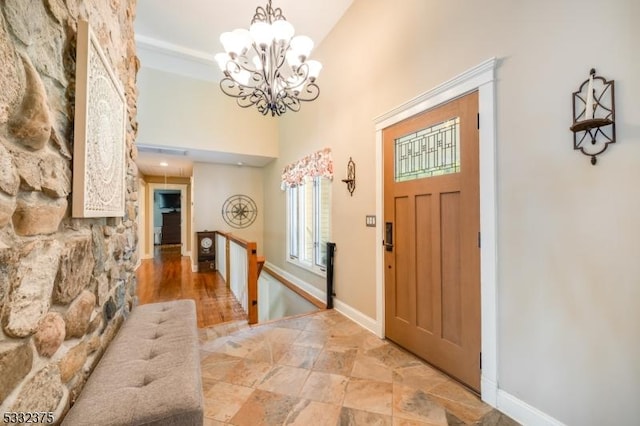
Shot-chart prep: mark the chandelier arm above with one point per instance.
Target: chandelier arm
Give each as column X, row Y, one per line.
column 311, row 92
column 267, row 14
column 258, row 72
column 261, row 15
column 289, row 102
column 234, row 67
column 231, row 88
column 302, row 74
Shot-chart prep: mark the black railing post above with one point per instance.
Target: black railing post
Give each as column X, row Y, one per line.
column 331, row 249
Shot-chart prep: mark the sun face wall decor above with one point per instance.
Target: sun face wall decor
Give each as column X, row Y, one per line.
column 239, row 211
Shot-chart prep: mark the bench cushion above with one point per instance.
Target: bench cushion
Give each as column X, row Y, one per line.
column 149, row 375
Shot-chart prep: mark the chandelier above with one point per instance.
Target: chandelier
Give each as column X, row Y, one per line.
column 267, row 66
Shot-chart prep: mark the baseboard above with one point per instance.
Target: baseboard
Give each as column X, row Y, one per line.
column 356, row 316
column 522, row 412
column 345, row 309
column 489, row 391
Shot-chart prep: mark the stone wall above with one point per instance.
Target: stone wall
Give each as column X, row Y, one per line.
column 66, row 284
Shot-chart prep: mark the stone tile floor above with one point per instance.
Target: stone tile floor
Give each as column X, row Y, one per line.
column 323, row 369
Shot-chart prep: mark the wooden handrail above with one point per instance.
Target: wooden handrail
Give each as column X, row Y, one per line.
column 227, row 261
column 252, row 282
column 254, row 268
column 261, row 260
column 237, row 240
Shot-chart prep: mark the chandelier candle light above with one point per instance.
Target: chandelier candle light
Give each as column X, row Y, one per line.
column 267, row 66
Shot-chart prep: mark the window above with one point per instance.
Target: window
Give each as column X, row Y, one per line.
column 308, row 217
column 433, row 151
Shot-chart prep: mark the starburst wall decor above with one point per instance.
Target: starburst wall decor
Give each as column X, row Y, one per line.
column 239, row 211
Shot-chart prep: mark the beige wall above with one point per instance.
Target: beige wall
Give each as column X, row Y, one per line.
column 181, row 111
column 568, row 233
column 212, row 185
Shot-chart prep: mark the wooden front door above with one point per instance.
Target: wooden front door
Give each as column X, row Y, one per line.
column 432, row 224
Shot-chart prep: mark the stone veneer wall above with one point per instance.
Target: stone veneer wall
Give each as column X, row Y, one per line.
column 66, row 284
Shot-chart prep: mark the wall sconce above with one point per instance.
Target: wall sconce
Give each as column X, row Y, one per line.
column 351, row 176
column 594, row 116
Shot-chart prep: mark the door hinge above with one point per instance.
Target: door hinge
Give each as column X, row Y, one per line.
column 480, row 360
column 478, row 121
column 479, row 240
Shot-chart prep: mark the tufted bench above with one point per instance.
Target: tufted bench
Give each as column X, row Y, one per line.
column 149, row 375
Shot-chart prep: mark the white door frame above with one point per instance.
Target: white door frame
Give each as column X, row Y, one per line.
column 481, row 78
column 183, row 214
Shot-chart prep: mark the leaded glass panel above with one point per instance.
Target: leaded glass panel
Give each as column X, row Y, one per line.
column 429, row 152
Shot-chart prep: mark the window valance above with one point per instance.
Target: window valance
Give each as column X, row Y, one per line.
column 313, row 165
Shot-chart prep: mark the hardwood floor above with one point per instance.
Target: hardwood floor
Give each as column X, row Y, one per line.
column 168, row 277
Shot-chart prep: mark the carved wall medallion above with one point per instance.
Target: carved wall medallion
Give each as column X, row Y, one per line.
column 100, row 129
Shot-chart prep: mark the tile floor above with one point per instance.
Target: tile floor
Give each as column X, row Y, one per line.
column 323, row 369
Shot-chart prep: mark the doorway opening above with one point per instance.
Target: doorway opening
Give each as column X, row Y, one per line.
column 167, row 207
column 167, row 220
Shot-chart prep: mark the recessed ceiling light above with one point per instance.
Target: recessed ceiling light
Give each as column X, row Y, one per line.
column 164, row 164
column 240, row 163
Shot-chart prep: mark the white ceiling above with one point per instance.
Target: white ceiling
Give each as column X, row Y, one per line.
column 182, row 36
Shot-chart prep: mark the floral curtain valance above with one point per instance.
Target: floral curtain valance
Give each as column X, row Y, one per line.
column 313, row 165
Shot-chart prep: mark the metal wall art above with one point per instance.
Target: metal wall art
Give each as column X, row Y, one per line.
column 99, row 133
column 351, row 176
column 594, row 116
column 239, row 211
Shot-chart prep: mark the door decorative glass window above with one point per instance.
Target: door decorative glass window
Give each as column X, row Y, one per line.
column 433, row 151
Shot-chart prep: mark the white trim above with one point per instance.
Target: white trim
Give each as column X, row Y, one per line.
column 321, row 295
column 380, row 306
column 183, row 214
column 468, row 81
column 346, row 310
column 175, row 59
column 174, row 50
column 481, row 78
column 489, row 241
column 524, row 413
column 355, row 315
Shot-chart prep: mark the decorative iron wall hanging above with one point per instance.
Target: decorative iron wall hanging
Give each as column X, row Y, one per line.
column 351, row 176
column 594, row 116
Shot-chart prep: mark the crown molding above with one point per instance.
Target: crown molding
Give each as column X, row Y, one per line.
column 175, row 50
column 175, row 59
